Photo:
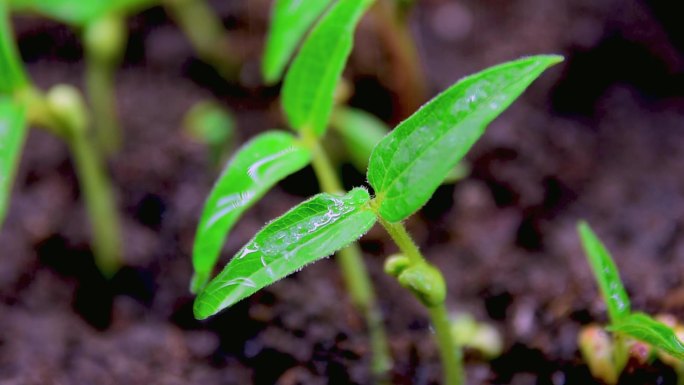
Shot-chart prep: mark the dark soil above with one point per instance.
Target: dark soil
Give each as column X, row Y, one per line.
column 595, row 138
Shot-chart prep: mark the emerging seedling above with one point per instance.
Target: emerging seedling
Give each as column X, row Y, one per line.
column 405, row 169
column 608, row 357
column 62, row 112
column 210, row 124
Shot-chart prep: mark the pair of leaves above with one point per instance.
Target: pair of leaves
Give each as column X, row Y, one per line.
column 12, row 76
column 313, row 230
column 12, row 134
column 636, row 325
column 256, row 167
column 78, row 12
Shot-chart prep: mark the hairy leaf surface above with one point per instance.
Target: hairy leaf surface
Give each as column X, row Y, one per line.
column 312, row 230
column 408, row 165
column 79, row 12
column 606, row 274
column 360, row 132
column 253, row 170
column 12, row 133
column 310, row 83
column 12, row 76
column 644, row 328
column 290, row 20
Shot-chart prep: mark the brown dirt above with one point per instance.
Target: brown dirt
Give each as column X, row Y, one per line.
column 595, row 138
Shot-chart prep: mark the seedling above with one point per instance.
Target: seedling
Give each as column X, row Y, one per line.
column 405, row 168
column 608, row 357
column 210, row 124
column 62, row 112
column 103, row 27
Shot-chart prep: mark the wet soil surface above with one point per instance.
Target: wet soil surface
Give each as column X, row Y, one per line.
column 595, row 138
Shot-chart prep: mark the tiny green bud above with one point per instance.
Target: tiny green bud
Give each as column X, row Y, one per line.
column 480, row 337
column 66, row 105
column 597, row 349
column 426, row 283
column 396, row 264
column 105, row 38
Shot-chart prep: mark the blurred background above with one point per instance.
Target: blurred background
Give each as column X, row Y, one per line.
column 599, row 137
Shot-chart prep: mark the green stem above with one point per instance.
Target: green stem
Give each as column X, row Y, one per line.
column 206, row 33
column 97, row 190
column 452, row 361
column 105, row 41
column 63, row 114
column 101, row 92
column 355, row 274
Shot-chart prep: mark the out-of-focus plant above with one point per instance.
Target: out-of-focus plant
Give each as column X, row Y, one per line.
column 405, row 168
column 633, row 334
column 102, row 24
column 210, row 124
column 62, row 112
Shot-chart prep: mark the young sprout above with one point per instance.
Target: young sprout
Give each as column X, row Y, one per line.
column 477, row 336
column 607, row 359
column 62, row 112
column 405, row 169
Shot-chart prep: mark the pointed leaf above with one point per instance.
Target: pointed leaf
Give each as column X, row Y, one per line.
column 79, row 12
column 408, row 165
column 311, row 231
column 310, row 83
column 360, row 132
column 606, row 274
column 644, row 328
column 290, row 20
column 12, row 134
column 253, row 170
column 12, row 76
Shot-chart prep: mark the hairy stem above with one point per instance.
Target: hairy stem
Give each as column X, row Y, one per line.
column 452, row 361
column 205, row 31
column 356, row 276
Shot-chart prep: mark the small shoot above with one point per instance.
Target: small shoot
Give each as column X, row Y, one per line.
column 290, row 21
column 480, row 337
column 214, row 126
column 254, row 169
column 311, row 231
column 623, row 322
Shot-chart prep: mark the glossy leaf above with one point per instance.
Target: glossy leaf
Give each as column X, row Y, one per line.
column 360, row 132
column 12, row 76
column 311, row 231
column 253, row 170
column 644, row 328
column 12, row 134
column 309, row 87
column 290, row 20
column 79, row 12
column 606, row 274
column 408, row 165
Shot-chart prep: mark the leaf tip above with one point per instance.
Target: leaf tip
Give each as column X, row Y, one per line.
column 198, row 282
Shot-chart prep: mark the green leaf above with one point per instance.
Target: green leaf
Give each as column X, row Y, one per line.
column 311, row 231
column 253, row 170
column 408, row 165
column 290, row 20
column 12, row 134
column 360, row 132
column 79, row 12
column 606, row 274
column 644, row 328
column 12, row 76
column 310, row 83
